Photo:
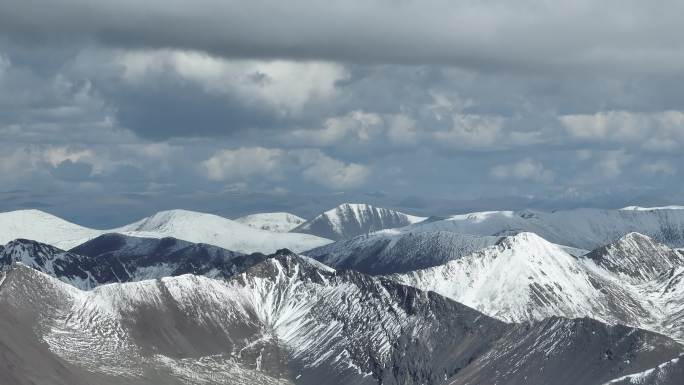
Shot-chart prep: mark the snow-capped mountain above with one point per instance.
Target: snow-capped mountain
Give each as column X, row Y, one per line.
column 525, row 278
column 276, row 222
column 580, row 228
column 290, row 320
column 181, row 224
column 351, row 219
column 115, row 258
column 398, row 251
column 636, row 258
column 42, row 227
column 70, row 267
column 215, row 230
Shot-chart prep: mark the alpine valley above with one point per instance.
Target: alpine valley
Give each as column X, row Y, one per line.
column 356, row 295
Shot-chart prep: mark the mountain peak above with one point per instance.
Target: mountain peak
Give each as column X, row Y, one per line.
column 636, row 257
column 351, row 219
column 526, row 241
column 279, row 222
column 42, row 227
column 212, row 229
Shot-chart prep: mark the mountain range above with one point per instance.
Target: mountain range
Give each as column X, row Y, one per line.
column 485, row 298
column 290, row 320
column 182, row 224
column 352, row 219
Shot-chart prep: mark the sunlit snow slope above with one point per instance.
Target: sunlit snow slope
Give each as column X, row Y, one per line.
column 276, row 222
column 580, row 228
column 633, row 281
column 351, row 219
column 181, row 224
column 215, row 230
column 42, row 227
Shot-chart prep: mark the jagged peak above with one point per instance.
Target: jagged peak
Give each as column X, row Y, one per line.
column 358, row 208
column 23, row 275
column 29, row 244
column 630, row 242
column 636, row 256
column 635, row 236
column 285, row 263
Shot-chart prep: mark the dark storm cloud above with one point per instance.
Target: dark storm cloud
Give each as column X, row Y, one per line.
column 72, row 171
column 168, row 110
column 526, row 35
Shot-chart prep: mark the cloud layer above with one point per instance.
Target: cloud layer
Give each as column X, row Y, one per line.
column 433, row 106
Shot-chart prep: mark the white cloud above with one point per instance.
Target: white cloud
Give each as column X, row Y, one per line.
column 658, row 131
column 356, row 126
column 272, row 163
column 286, row 85
column 333, row 173
column 526, row 169
column 402, row 130
column 610, row 164
column 473, row 131
column 244, row 162
column 57, row 155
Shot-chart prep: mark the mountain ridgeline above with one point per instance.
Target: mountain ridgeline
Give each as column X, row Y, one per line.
column 289, row 320
column 351, row 219
column 562, row 298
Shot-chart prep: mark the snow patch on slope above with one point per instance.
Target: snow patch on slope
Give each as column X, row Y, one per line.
column 639, row 208
column 276, row 222
column 667, row 373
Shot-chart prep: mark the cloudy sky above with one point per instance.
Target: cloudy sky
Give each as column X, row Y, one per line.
column 111, row 110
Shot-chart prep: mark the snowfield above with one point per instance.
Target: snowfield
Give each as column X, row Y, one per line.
column 276, row 222
column 215, row 230
column 580, row 228
column 181, row 224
